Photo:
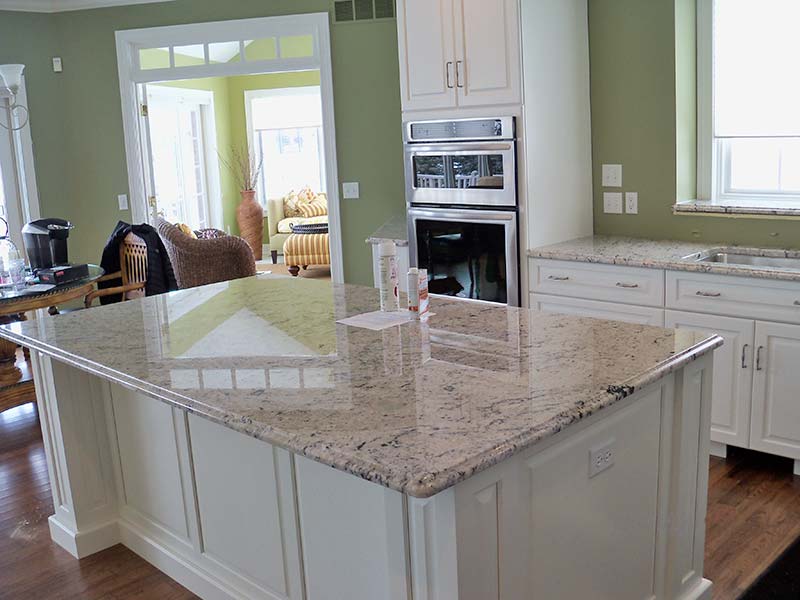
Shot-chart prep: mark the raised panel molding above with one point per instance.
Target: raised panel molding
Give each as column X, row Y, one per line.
column 479, row 543
column 433, row 547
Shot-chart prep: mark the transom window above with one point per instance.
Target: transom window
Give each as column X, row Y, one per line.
column 754, row 90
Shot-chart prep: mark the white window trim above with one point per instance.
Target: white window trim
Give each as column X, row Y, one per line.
column 128, row 43
column 713, row 162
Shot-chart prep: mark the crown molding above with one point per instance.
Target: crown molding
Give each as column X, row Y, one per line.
column 54, row 6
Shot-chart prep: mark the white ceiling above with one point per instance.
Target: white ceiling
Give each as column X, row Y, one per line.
column 51, row 6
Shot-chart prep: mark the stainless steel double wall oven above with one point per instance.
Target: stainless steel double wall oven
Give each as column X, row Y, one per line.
column 461, row 193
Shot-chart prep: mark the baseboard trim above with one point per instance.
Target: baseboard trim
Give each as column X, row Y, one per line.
column 718, row 449
column 84, row 543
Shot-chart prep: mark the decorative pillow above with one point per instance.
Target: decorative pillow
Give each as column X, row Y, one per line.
column 186, row 229
column 291, row 205
column 318, row 207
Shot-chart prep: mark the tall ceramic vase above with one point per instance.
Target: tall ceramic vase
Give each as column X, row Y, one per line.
column 250, row 217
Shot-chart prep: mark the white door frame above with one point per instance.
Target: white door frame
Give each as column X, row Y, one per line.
column 27, row 204
column 129, row 42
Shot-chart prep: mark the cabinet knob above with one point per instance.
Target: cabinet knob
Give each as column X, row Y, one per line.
column 797, row 302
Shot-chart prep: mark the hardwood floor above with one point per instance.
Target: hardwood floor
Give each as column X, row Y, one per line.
column 31, row 565
column 754, row 514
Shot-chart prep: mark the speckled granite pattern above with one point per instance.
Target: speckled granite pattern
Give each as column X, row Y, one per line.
column 740, row 208
column 417, row 408
column 395, row 229
column 665, row 254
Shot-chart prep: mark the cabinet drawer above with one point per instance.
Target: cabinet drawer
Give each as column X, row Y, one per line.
column 641, row 315
column 735, row 296
column 628, row 285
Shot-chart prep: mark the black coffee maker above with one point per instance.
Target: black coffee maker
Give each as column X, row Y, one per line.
column 46, row 242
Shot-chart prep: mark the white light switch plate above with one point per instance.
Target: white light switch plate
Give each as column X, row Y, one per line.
column 58, row 66
column 612, row 203
column 122, row 200
column 632, row 203
column 350, row 190
column 601, row 457
column 612, row 175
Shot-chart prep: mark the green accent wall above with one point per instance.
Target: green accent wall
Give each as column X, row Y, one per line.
column 643, row 113
column 77, row 122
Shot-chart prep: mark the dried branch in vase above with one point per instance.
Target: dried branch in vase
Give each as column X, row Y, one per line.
column 244, row 168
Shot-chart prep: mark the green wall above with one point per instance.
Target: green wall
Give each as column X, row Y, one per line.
column 642, row 115
column 77, row 123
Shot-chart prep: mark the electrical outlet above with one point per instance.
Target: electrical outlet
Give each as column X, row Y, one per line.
column 122, row 201
column 350, row 190
column 58, row 66
column 612, row 203
column 602, row 457
column 612, row 175
column 632, row 203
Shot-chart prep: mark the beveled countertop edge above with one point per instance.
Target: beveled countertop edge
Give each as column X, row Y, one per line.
column 425, row 486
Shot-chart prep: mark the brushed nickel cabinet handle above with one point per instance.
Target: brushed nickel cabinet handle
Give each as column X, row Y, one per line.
column 708, row 294
column 744, row 355
column 558, row 278
column 628, row 286
column 458, row 74
column 448, row 69
column 758, row 358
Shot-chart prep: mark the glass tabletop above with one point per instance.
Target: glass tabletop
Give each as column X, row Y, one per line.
column 32, row 288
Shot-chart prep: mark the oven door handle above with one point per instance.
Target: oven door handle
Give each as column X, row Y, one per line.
column 462, row 147
column 462, row 216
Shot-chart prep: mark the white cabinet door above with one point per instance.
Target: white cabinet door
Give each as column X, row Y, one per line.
column 426, row 48
column 733, row 372
column 487, row 52
column 775, row 419
column 641, row 315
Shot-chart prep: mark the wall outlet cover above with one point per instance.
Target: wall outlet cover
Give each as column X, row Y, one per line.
column 632, row 203
column 58, row 66
column 612, row 203
column 612, row 175
column 602, row 457
column 350, row 190
column 122, row 201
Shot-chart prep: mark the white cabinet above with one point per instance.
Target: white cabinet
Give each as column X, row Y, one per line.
column 458, row 53
column 733, row 372
column 775, row 418
column 641, row 315
column 427, row 53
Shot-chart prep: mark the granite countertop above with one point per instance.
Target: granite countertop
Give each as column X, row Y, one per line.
column 417, row 407
column 395, row 229
column 741, row 207
column 665, row 254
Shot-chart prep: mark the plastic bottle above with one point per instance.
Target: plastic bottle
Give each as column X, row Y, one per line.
column 390, row 298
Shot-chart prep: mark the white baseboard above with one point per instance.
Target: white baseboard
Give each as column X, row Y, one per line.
column 84, row 543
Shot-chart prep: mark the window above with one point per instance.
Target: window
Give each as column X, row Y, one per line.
column 749, row 97
column 285, row 132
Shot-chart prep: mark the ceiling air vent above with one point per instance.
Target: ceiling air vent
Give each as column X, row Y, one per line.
column 352, row 11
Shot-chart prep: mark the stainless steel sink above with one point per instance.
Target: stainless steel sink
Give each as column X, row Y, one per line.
column 753, row 260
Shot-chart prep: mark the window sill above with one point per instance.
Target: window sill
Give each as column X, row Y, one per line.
column 742, row 207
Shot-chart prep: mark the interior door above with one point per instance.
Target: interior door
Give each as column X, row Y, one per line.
column 733, row 372
column 427, row 63
column 775, row 420
column 487, row 52
column 146, row 154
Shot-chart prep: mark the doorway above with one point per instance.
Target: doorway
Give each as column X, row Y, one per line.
column 159, row 57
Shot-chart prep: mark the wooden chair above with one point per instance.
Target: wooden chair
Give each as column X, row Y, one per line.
column 133, row 271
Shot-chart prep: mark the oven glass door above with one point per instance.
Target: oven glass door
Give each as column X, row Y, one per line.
column 467, row 174
column 473, row 259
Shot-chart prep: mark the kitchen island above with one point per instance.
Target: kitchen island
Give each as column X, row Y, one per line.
column 248, row 445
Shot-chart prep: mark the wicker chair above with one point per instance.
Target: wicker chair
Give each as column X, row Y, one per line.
column 214, row 256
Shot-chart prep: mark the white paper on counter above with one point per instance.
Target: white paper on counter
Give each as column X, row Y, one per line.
column 378, row 320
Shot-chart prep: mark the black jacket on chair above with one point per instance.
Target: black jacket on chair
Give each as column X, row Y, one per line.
column 160, row 276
